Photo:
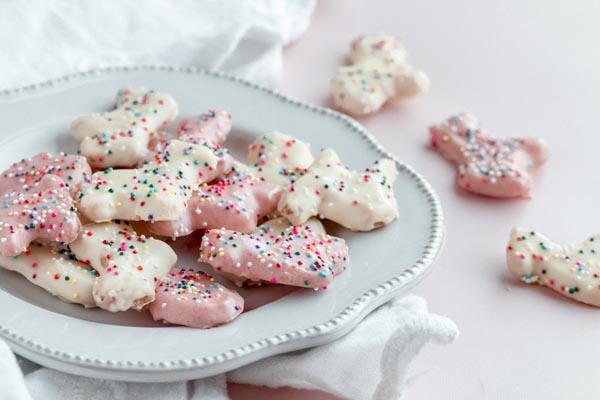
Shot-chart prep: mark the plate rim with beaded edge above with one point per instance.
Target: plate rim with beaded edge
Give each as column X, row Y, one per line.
column 36, row 325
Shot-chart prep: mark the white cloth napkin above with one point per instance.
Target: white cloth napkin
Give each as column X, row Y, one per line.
column 45, row 39
column 371, row 362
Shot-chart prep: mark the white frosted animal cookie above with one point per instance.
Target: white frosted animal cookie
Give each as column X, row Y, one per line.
column 573, row 271
column 278, row 158
column 357, row 201
column 119, row 138
column 129, row 265
column 378, row 72
column 56, row 271
column 157, row 191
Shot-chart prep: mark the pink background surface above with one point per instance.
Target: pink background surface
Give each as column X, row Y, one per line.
column 524, row 68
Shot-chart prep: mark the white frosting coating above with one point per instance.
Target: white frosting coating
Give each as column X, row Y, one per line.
column 56, row 271
column 130, row 265
column 157, row 191
column 357, row 201
column 573, row 271
column 119, row 138
column 378, row 71
column 278, row 158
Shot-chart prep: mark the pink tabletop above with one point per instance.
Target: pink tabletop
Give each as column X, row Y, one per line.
column 524, row 68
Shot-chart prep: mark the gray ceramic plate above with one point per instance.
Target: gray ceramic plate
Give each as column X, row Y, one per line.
column 130, row 346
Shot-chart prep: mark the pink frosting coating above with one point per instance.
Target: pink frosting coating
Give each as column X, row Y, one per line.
column 74, row 170
column 210, row 127
column 236, row 202
column 213, row 126
column 44, row 212
column 488, row 166
column 193, row 298
column 296, row 256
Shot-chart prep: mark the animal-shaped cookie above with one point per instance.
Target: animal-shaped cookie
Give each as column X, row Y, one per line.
column 56, row 271
column 211, row 127
column 357, row 201
column 279, row 158
column 74, row 170
column 378, row 72
column 270, row 231
column 488, row 166
column 119, row 138
column 236, row 202
column 44, row 212
column 129, row 265
column 157, row 191
column 193, row 298
column 573, row 271
column 296, row 256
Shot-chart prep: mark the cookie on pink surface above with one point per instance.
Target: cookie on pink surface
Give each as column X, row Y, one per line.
column 74, row 170
column 193, row 298
column 45, row 213
column 486, row 165
column 236, row 202
column 297, row 256
column 572, row 271
column 378, row 72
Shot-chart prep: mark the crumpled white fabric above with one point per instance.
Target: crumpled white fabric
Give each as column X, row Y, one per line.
column 45, row 39
column 371, row 362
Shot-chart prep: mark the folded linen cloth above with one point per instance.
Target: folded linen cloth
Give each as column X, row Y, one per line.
column 42, row 40
column 371, row 362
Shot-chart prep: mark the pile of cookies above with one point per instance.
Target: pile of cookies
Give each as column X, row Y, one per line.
column 95, row 229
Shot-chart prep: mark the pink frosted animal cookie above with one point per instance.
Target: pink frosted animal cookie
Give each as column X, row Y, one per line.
column 45, row 212
column 56, row 271
column 157, row 191
column 193, row 298
column 74, row 170
column 212, row 127
column 119, row 138
column 130, row 265
column 378, row 72
column 236, row 202
column 357, row 201
column 572, row 271
column 296, row 256
column 488, row 166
